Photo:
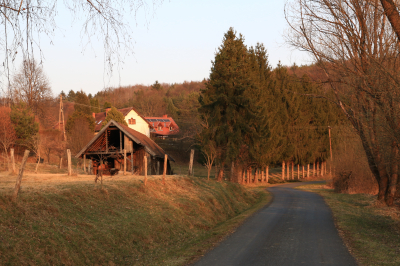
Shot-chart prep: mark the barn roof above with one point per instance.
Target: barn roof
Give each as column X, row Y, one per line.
column 150, row 146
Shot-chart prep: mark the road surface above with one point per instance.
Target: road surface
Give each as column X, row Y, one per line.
column 297, row 228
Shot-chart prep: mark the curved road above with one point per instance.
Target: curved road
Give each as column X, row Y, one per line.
column 297, row 228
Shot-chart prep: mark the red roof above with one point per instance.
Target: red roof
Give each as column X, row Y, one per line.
column 165, row 123
column 99, row 117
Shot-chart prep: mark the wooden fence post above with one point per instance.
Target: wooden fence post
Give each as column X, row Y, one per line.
column 262, row 175
column 165, row 168
column 12, row 161
column 19, row 177
column 283, row 170
column 145, row 170
column 313, row 166
column 292, row 170
column 288, row 171
column 298, row 171
column 267, row 174
column 69, row 162
column 124, row 162
column 191, row 162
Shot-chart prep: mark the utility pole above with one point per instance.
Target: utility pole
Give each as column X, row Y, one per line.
column 61, row 116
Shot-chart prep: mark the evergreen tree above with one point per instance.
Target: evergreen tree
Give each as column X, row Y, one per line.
column 107, row 105
column 82, row 103
column 71, row 96
column 79, row 115
column 24, row 123
column 115, row 115
column 227, row 102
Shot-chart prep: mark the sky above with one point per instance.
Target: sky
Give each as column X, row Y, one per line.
column 175, row 43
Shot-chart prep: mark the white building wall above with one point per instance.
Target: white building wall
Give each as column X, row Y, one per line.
column 141, row 125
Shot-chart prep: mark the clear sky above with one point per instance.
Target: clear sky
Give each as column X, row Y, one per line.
column 177, row 44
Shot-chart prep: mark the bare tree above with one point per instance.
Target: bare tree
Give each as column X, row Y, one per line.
column 23, row 23
column 30, row 85
column 357, row 49
column 7, row 132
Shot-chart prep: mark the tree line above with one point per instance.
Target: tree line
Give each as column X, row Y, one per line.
column 256, row 116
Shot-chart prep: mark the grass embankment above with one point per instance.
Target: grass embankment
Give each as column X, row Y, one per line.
column 123, row 222
column 371, row 232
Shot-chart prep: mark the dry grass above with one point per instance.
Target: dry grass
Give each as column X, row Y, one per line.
column 73, row 221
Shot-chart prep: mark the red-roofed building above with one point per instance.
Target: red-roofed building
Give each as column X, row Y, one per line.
column 162, row 127
column 134, row 120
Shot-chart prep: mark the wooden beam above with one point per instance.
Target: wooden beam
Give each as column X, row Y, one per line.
column 106, row 132
column 120, row 141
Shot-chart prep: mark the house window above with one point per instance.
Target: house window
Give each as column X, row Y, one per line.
column 170, row 128
column 159, row 128
column 132, row 121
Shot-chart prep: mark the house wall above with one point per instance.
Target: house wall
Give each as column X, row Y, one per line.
column 141, row 125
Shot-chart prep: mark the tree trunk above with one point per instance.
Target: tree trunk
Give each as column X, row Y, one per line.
column 298, row 172
column 232, row 178
column 390, row 194
column 60, row 162
column 208, row 172
column 283, row 170
column 393, row 15
column 243, row 173
column 248, row 176
column 308, row 170
column 267, row 174
column 20, row 174
column 314, row 174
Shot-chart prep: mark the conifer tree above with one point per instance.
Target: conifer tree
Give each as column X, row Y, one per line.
column 115, row 115
column 227, row 100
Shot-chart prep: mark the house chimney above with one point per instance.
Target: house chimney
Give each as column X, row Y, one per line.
column 94, row 115
column 107, row 109
column 165, row 116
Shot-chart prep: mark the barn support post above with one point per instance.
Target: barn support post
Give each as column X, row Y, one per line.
column 165, row 168
column 69, row 162
column 124, row 162
column 132, row 158
column 191, row 162
column 12, row 161
column 145, row 170
column 19, row 177
column 84, row 163
column 283, row 170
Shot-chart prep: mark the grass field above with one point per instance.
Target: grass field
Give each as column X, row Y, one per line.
column 70, row 220
column 371, row 232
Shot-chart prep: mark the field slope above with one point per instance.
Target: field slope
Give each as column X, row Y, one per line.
column 122, row 222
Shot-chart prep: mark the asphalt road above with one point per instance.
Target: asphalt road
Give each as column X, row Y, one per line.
column 297, row 228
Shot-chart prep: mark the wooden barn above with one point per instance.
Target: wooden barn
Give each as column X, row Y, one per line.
column 108, row 147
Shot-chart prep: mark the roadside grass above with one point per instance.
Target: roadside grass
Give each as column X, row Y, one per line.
column 122, row 222
column 371, row 232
